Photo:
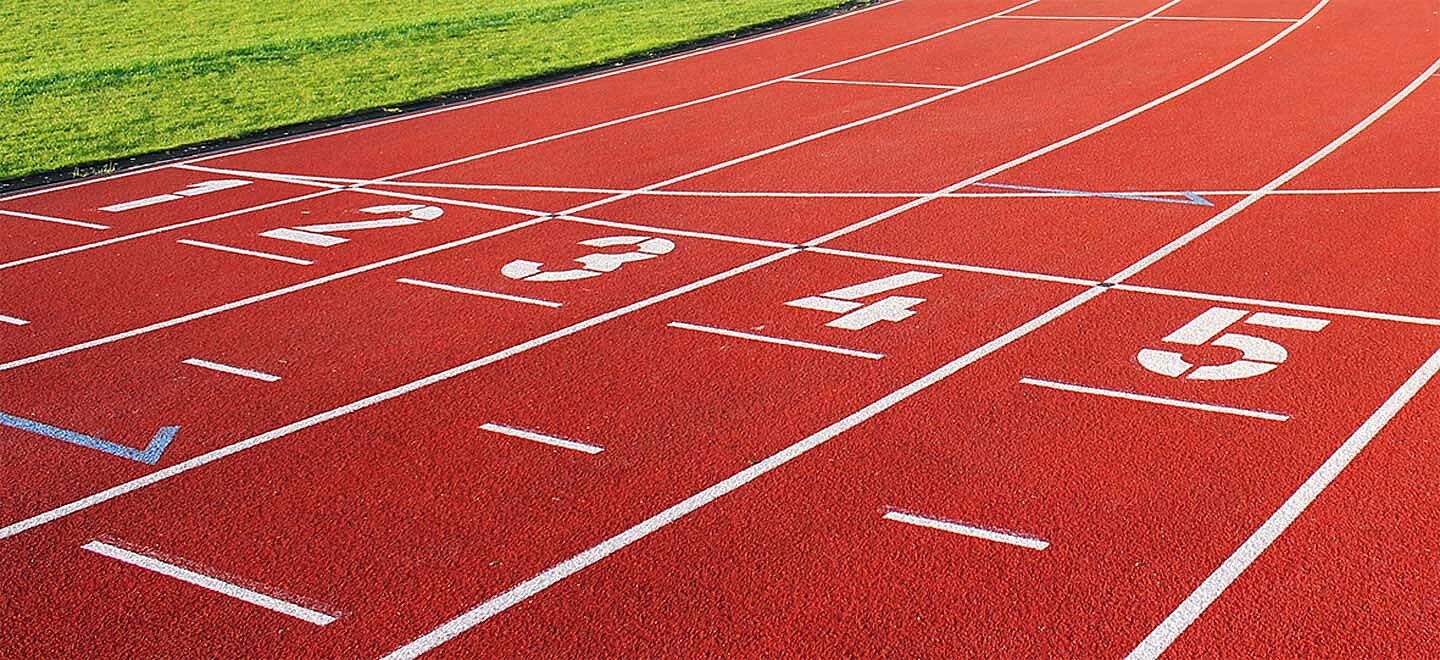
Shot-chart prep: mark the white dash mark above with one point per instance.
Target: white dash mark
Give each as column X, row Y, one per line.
column 213, row 584
column 1177, row 403
column 53, row 219
column 478, row 292
column 234, row 371
column 248, row 253
column 12, row 320
column 541, row 438
column 777, row 340
column 966, row 530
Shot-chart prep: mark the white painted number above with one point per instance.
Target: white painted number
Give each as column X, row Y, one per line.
column 593, row 264
column 192, row 190
column 414, row 214
column 1257, row 356
column 858, row 316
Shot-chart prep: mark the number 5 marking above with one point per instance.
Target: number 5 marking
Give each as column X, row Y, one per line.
column 594, row 264
column 1257, row 356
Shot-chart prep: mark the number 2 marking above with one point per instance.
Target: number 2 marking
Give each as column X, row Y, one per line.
column 594, row 264
column 1257, row 356
column 319, row 234
column 192, row 190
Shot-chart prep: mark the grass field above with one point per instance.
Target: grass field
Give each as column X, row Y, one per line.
column 88, row 80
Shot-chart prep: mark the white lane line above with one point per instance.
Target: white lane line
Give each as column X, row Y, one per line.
column 776, row 340
column 12, row 320
column 549, row 577
column 1177, row 403
column 213, row 584
column 1279, row 181
column 478, row 292
column 678, row 232
column 1299, row 307
column 1222, row 19
column 53, row 219
column 541, row 438
column 234, row 371
column 161, row 230
column 1210, row 589
column 870, row 83
column 248, row 253
column 965, row 530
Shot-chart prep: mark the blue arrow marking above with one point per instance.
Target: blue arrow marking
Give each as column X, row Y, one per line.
column 148, row 456
column 1191, row 199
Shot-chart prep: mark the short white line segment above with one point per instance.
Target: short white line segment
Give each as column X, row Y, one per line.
column 966, row 530
column 541, row 438
column 248, row 253
column 213, row 584
column 12, row 320
column 1178, row 403
column 234, row 371
column 777, row 340
column 478, row 292
column 53, row 220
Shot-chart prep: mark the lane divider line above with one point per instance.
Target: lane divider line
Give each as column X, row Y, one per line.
column 767, row 339
column 965, row 530
column 869, row 83
column 211, row 583
column 53, row 219
column 234, row 371
column 1231, row 19
column 478, row 292
column 1218, row 581
column 1164, row 401
column 12, row 320
column 541, row 438
column 241, row 251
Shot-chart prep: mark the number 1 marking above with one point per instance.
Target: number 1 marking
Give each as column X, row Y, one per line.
column 192, row 190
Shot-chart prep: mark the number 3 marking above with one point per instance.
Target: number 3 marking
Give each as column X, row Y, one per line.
column 595, row 264
column 1257, row 356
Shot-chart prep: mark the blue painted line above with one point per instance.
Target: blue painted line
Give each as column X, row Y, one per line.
column 149, row 456
column 1191, row 199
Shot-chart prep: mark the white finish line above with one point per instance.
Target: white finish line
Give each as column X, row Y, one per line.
column 213, row 584
column 541, row 438
column 966, row 530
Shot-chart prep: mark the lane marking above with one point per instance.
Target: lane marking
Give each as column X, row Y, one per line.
column 248, row 253
column 234, row 371
column 1224, row 575
column 150, row 455
column 776, row 340
column 1338, row 311
column 53, row 219
column 207, row 582
column 1189, row 198
column 1154, row 18
column 965, row 530
column 870, row 83
column 677, row 232
column 541, row 438
column 478, row 292
column 12, row 320
column 1164, row 401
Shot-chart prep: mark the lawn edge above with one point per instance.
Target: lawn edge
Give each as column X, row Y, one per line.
column 107, row 167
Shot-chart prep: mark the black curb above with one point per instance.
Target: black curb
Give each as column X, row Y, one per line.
column 113, row 166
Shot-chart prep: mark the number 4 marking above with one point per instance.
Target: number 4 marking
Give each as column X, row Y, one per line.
column 858, row 316
column 1257, row 356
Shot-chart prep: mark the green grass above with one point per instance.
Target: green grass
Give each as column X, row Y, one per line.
column 90, row 80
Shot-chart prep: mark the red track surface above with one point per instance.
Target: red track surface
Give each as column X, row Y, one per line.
column 361, row 463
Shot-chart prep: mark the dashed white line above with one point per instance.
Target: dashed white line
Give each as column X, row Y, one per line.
column 777, row 340
column 541, row 438
column 1177, row 403
column 12, row 320
column 234, row 371
column 248, row 253
column 53, row 219
column 213, row 584
column 966, row 530
column 478, row 292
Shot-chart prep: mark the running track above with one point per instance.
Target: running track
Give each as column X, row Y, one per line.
column 940, row 328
